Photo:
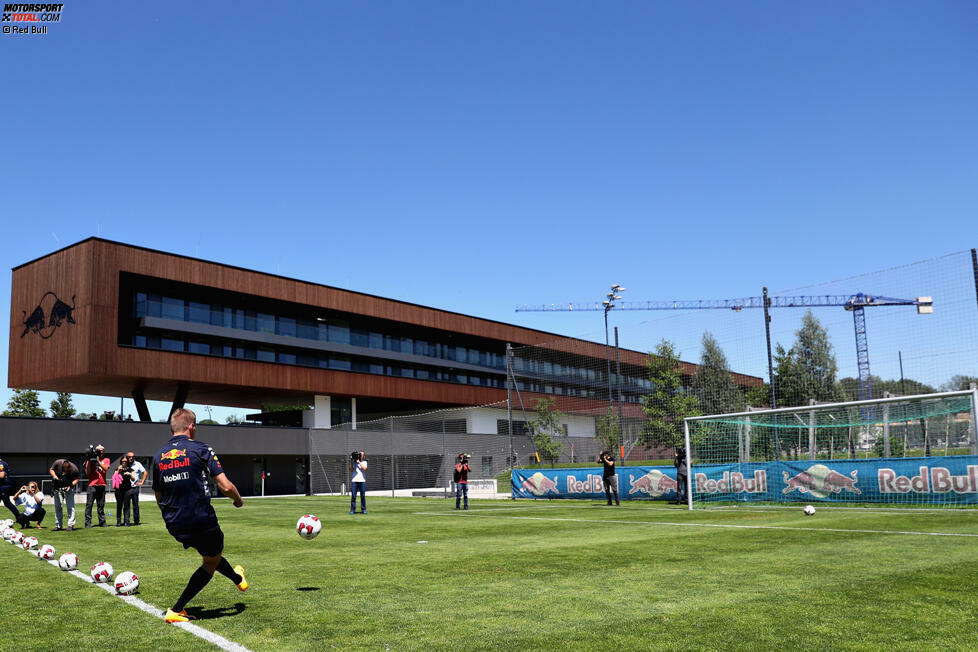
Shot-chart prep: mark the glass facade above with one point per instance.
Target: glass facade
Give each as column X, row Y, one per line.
column 532, row 375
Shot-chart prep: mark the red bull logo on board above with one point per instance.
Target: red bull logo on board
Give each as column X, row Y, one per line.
column 935, row 479
column 653, row 484
column 731, row 482
column 592, row 484
column 538, row 484
column 820, row 481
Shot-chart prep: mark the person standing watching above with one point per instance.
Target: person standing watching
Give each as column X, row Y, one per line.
column 461, row 477
column 6, row 486
column 179, row 470
column 95, row 468
column 682, row 476
column 138, row 478
column 358, row 465
column 122, row 483
column 65, row 478
column 31, row 498
column 608, row 477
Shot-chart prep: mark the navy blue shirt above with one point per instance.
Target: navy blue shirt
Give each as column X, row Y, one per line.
column 6, row 481
column 180, row 471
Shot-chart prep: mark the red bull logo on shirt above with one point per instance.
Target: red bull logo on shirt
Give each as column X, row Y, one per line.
column 173, row 455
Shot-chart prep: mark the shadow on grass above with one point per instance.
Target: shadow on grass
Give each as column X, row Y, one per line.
column 220, row 612
column 307, row 588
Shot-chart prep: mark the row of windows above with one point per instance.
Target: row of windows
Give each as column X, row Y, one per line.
column 583, row 374
column 311, row 359
column 334, row 330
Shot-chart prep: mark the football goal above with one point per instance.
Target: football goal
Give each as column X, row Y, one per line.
column 914, row 450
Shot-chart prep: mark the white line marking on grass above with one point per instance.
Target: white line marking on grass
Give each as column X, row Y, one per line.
column 196, row 630
column 716, row 525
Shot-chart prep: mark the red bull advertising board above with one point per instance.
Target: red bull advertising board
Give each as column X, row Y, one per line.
column 634, row 483
column 937, row 480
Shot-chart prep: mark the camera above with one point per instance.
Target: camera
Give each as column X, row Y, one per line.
column 465, row 457
column 355, row 456
column 91, row 453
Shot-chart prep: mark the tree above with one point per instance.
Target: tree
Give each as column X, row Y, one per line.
column 24, row 403
column 545, row 428
column 807, row 371
column 609, row 429
column 208, row 422
column 713, row 383
column 61, row 407
column 959, row 382
column 758, row 396
column 668, row 403
column 232, row 419
column 907, row 387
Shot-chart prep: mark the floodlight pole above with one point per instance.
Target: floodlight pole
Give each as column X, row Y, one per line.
column 621, row 399
column 770, row 360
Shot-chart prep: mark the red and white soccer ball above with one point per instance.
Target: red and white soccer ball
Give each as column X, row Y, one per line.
column 126, row 583
column 29, row 543
column 7, row 533
column 68, row 561
column 309, row 527
column 16, row 538
column 46, row 551
column 102, row 571
column 809, row 510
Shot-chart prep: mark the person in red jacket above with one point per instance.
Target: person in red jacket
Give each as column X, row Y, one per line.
column 461, row 477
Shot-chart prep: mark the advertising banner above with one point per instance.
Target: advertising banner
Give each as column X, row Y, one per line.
column 938, row 480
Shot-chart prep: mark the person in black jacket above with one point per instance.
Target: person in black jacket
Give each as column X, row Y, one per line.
column 682, row 476
column 609, row 478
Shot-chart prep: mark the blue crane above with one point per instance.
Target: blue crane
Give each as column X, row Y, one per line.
column 856, row 303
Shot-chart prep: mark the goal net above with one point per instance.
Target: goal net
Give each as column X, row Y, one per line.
column 913, row 450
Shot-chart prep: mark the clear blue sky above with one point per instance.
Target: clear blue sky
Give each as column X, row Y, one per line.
column 473, row 156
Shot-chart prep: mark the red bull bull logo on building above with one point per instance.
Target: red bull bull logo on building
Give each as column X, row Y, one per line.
column 820, row 481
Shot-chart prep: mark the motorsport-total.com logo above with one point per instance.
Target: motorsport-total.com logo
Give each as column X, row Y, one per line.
column 19, row 18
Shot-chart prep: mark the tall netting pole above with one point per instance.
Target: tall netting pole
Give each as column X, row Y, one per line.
column 689, row 466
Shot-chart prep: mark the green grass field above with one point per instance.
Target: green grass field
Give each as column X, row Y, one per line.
column 414, row 574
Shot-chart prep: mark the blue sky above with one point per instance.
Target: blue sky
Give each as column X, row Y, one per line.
column 474, row 156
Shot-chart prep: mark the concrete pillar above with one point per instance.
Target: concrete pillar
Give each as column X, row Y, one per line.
column 321, row 412
column 353, row 412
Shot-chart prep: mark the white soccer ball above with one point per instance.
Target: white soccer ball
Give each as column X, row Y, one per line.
column 809, row 510
column 126, row 583
column 46, row 551
column 309, row 527
column 102, row 571
column 6, row 523
column 16, row 538
column 68, row 561
column 29, row 543
column 7, row 533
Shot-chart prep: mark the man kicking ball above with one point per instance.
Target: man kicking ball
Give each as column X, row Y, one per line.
column 179, row 471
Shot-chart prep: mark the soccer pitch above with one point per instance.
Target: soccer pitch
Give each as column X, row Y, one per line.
column 414, row 574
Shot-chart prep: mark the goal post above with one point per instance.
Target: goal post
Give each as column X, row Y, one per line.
column 913, row 450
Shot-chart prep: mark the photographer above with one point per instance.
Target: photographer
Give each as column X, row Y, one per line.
column 609, row 478
column 358, row 465
column 461, row 478
column 682, row 476
column 96, row 466
column 65, row 478
column 122, row 481
column 31, row 498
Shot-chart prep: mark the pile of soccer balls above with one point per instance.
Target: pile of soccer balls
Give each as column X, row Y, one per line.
column 126, row 582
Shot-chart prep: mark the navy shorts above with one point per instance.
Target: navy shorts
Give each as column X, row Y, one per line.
column 209, row 543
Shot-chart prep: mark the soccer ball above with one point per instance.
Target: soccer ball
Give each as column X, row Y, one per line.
column 809, row 510
column 7, row 533
column 5, row 523
column 29, row 543
column 46, row 551
column 68, row 561
column 16, row 537
column 102, row 571
column 126, row 583
column 309, row 527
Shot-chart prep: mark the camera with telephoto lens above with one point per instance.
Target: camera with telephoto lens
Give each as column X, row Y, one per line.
column 91, row 453
column 465, row 457
column 355, row 456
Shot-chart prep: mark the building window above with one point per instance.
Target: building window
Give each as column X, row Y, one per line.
column 168, row 344
column 264, row 355
column 199, row 313
column 487, row 465
column 173, row 308
column 286, row 326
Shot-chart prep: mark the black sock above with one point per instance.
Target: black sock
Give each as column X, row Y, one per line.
column 224, row 568
column 198, row 580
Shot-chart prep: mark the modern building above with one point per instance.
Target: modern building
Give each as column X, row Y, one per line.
column 106, row 318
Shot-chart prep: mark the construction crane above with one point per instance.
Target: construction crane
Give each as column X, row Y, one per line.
column 856, row 303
